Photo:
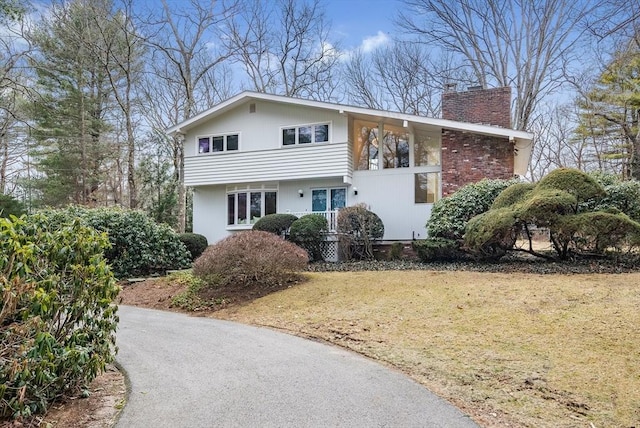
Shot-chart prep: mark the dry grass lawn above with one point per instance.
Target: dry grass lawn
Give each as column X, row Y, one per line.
column 509, row 349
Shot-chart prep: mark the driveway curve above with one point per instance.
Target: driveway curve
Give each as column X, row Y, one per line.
column 199, row 372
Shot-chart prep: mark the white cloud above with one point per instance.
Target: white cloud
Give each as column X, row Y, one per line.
column 372, row 42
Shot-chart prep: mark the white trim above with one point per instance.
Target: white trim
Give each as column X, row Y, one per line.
column 313, row 136
column 224, row 148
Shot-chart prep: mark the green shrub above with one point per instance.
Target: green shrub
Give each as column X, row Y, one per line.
column 248, row 258
column 309, row 233
column 450, row 215
column 575, row 182
column 543, row 207
column 512, row 195
column 275, row 223
column 139, row 246
column 395, row 252
column 57, row 320
column 624, row 196
column 194, row 243
column 437, row 249
column 491, row 234
column 11, row 206
column 597, row 232
column 358, row 228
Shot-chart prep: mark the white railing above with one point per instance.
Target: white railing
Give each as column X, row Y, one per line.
column 331, row 216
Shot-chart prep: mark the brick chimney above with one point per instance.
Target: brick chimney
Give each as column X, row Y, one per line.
column 477, row 105
column 466, row 157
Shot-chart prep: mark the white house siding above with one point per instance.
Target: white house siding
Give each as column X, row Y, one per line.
column 210, row 212
column 390, row 194
column 288, row 163
column 262, row 130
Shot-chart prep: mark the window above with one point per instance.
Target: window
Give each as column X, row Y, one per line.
column 247, row 206
column 395, row 147
column 305, row 134
column 366, row 145
column 218, row 143
column 426, row 149
column 337, row 200
column 426, row 187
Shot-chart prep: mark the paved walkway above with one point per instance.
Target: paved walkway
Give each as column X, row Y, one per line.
column 200, row 372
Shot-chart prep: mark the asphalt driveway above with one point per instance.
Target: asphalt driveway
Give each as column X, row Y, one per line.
column 200, row 372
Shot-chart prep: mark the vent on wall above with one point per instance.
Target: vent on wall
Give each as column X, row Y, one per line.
column 252, row 108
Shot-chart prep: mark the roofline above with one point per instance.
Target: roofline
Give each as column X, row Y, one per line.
column 443, row 123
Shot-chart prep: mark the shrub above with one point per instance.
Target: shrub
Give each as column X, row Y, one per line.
column 194, row 243
column 575, row 182
column 599, row 231
column 624, row 196
column 11, row 206
column 395, row 252
column 250, row 257
column 309, row 232
column 358, row 228
column 275, row 223
column 139, row 246
column 513, row 194
column 491, row 234
column 450, row 215
column 437, row 249
column 544, row 207
column 57, row 321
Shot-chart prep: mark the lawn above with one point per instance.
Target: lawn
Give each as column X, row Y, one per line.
column 509, row 349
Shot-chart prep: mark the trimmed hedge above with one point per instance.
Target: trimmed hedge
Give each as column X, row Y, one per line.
column 358, row 228
column 275, row 223
column 194, row 243
column 250, row 257
column 308, row 232
column 437, row 249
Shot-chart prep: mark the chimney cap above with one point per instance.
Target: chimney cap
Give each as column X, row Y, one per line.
column 450, row 87
column 475, row 88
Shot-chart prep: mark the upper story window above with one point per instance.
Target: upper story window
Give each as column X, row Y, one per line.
column 384, row 146
column 218, row 143
column 305, row 134
column 426, row 149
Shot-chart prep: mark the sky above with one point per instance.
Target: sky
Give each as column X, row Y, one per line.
column 362, row 23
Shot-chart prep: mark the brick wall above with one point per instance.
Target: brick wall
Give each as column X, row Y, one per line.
column 485, row 106
column 467, row 158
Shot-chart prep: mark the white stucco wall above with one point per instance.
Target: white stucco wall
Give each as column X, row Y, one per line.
column 390, row 194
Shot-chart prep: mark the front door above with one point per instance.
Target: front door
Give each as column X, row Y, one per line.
column 328, row 199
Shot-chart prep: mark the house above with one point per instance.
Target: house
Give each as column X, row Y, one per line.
column 257, row 154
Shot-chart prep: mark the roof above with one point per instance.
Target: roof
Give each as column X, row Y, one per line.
column 243, row 97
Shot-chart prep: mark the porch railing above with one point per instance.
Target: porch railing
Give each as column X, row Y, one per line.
column 331, row 216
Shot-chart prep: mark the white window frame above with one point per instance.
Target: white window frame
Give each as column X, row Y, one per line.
column 313, row 134
column 328, row 201
column 225, row 135
column 247, row 190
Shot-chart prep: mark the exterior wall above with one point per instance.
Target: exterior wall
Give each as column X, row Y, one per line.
column 262, row 130
column 210, row 205
column 293, row 162
column 210, row 212
column 390, row 194
column 467, row 158
column 484, row 106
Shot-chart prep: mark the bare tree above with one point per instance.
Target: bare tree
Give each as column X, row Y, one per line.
column 285, row 48
column 185, row 52
column 402, row 77
column 522, row 44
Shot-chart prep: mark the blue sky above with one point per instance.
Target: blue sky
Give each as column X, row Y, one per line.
column 362, row 23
